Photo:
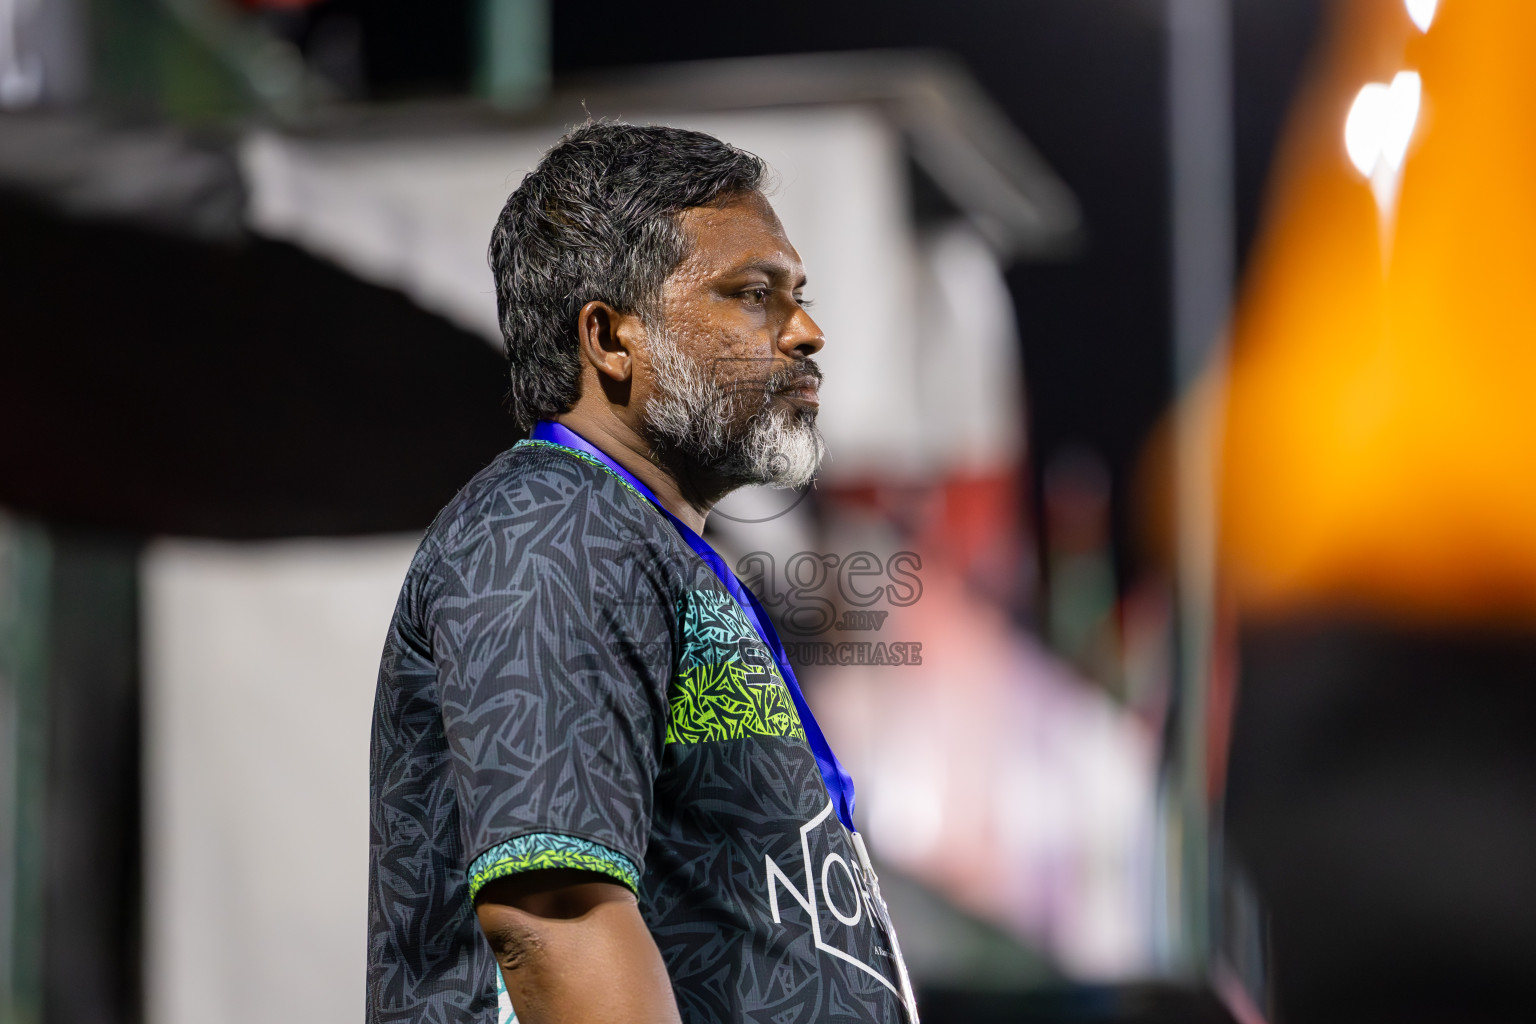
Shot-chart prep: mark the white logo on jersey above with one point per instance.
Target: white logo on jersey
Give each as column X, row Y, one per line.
column 861, row 910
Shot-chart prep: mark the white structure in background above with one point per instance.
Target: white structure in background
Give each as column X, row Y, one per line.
column 419, row 219
column 42, row 53
column 21, row 70
column 260, row 666
column 414, row 212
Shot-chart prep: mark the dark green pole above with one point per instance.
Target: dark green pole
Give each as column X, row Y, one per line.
column 514, row 45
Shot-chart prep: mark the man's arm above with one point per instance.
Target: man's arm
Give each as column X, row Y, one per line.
column 574, row 949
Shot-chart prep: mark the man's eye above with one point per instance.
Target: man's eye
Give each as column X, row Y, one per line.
column 755, row 296
column 805, row 303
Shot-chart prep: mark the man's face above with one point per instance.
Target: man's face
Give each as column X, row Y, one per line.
column 732, row 387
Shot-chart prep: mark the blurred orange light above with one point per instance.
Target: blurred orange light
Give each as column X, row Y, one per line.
column 1380, row 445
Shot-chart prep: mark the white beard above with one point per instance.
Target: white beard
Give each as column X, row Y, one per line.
column 697, row 417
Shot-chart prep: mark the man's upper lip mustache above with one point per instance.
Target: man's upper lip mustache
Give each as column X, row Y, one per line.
column 809, row 382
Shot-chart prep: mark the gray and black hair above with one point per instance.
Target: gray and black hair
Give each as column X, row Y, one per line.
column 596, row 220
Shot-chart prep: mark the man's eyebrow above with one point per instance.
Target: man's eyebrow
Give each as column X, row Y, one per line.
column 769, row 268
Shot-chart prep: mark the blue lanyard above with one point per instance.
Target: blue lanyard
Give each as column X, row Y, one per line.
column 839, row 782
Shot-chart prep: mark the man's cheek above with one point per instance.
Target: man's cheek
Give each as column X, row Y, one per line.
column 755, row 349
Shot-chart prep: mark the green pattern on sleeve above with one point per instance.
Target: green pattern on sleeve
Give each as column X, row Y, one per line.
column 716, row 702
column 727, row 686
column 543, row 850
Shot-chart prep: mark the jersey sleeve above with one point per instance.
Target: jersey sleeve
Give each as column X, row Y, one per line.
column 553, row 640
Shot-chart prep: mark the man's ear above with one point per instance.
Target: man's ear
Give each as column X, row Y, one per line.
column 609, row 339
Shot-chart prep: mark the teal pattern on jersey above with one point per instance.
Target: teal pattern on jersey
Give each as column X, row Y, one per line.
column 727, row 685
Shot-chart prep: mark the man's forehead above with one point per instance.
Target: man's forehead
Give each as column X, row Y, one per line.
column 739, row 234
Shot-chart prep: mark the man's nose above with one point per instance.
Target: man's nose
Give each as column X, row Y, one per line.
column 801, row 337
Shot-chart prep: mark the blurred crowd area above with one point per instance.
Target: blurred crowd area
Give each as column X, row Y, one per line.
column 1168, row 591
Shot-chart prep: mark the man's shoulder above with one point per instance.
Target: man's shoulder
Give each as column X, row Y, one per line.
column 541, row 494
column 542, row 524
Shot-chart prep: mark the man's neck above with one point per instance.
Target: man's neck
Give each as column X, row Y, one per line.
column 624, row 445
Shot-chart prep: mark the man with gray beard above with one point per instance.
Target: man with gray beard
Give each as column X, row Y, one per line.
column 597, row 792
column 696, row 418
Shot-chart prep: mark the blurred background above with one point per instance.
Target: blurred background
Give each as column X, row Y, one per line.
column 1170, row 592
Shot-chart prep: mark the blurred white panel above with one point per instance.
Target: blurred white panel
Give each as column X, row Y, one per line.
column 416, row 214
column 260, row 665
column 922, row 353
column 842, row 195
column 43, row 58
column 412, row 214
column 970, row 377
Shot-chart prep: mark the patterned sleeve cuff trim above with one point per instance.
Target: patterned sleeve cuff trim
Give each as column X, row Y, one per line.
column 543, row 850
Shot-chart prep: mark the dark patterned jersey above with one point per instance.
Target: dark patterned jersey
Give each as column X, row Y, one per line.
column 567, row 685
